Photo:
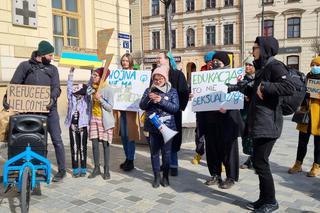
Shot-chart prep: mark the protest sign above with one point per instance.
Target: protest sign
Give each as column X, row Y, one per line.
column 103, row 38
column 210, row 91
column 128, row 87
column 28, row 98
column 313, row 87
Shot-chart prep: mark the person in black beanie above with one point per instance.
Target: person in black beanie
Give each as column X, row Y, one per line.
column 38, row 71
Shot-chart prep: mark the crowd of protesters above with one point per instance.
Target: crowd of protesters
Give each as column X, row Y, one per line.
column 259, row 124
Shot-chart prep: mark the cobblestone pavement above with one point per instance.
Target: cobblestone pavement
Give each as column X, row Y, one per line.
column 132, row 192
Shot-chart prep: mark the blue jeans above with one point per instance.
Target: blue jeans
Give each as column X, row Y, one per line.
column 129, row 147
column 157, row 144
column 174, row 160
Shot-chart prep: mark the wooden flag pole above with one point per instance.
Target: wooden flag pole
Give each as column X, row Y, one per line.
column 105, row 71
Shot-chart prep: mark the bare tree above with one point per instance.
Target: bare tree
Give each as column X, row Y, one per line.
column 167, row 22
column 315, row 45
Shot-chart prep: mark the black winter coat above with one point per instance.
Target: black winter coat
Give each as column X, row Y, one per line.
column 32, row 72
column 265, row 116
column 168, row 105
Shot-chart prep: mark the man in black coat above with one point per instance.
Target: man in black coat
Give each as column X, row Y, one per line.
column 38, row 71
column 265, row 116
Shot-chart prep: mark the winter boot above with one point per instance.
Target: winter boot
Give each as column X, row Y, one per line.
column 156, row 181
column 297, row 167
column 106, row 149
column 196, row 159
column 315, row 170
column 165, row 178
column 96, row 158
column 129, row 166
column 123, row 164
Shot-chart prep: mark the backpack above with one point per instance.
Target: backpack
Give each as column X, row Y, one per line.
column 290, row 104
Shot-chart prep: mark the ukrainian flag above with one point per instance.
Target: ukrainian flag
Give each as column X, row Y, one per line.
column 80, row 60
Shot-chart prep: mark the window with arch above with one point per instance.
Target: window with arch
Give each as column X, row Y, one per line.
column 268, row 28
column 190, row 37
column 293, row 62
column 293, row 30
column 190, row 5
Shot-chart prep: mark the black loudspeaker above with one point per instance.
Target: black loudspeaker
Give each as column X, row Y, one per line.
column 27, row 130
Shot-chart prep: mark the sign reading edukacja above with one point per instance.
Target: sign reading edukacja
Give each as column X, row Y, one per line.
column 128, row 87
column 28, row 98
column 210, row 91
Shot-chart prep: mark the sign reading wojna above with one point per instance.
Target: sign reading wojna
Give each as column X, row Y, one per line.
column 28, row 98
column 210, row 91
column 128, row 87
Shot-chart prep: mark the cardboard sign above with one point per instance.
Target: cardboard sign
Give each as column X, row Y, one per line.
column 210, row 90
column 103, row 38
column 82, row 58
column 313, row 87
column 128, row 87
column 28, row 98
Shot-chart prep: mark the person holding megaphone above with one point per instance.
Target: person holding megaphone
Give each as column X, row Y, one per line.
column 160, row 102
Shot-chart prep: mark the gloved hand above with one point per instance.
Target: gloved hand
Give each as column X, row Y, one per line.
column 5, row 103
column 49, row 106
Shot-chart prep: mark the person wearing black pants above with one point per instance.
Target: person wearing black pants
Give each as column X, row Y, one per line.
column 265, row 119
column 302, row 147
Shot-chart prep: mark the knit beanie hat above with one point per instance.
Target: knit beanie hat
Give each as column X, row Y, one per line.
column 162, row 70
column 100, row 72
column 45, row 48
column 316, row 61
column 249, row 60
column 223, row 57
column 208, row 57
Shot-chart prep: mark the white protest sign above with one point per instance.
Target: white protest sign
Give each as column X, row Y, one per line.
column 313, row 87
column 128, row 87
column 210, row 90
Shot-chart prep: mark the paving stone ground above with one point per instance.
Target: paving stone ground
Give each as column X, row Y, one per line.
column 132, row 192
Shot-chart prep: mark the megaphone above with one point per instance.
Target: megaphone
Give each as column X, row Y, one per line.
column 166, row 132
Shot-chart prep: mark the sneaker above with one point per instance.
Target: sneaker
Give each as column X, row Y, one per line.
column 267, row 208
column 214, row 180
column 96, row 171
column 196, row 159
column 75, row 173
column 254, row 205
column 227, row 184
column 83, row 172
column 174, row 171
column 59, row 176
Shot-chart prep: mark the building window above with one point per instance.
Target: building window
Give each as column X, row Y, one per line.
column 156, row 40
column 228, row 3
column 190, row 38
column 267, row 1
column 211, row 3
column 190, row 5
column 173, row 39
column 228, row 34
column 293, row 62
column 211, row 35
column 293, row 27
column 173, row 4
column 155, row 7
column 268, row 28
column 66, row 17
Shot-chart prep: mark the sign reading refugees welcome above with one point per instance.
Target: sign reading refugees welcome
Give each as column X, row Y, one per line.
column 128, row 87
column 210, row 90
column 313, row 87
column 28, row 98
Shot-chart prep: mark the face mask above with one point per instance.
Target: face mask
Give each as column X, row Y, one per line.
column 315, row 70
column 45, row 61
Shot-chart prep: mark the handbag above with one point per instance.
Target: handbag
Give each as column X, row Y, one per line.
column 301, row 117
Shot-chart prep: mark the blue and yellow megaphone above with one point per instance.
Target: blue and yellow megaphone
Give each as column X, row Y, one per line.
column 166, row 132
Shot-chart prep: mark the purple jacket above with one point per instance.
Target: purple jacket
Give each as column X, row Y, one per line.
column 83, row 106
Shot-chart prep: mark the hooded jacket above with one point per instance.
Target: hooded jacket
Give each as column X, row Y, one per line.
column 265, row 115
column 32, row 72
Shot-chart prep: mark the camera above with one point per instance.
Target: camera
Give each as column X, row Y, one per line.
column 240, row 86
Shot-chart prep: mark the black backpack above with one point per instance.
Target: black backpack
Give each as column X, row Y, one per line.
column 290, row 104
